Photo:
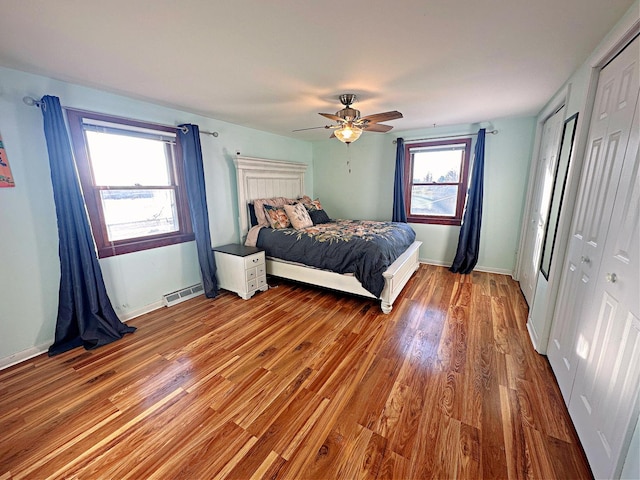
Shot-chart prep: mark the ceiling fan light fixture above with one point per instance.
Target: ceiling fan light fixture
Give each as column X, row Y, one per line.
column 348, row 133
column 350, row 125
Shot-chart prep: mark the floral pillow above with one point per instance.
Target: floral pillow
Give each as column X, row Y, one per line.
column 298, row 216
column 313, row 205
column 277, row 217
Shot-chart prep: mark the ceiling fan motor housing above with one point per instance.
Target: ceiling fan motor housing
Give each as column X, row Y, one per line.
column 349, row 114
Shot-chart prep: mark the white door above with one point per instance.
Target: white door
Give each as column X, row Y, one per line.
column 539, row 206
column 604, row 400
column 608, row 137
column 595, row 347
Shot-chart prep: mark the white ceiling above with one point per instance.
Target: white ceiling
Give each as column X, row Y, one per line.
column 272, row 65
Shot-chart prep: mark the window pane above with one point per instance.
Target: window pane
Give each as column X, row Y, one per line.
column 139, row 213
column 437, row 166
column 123, row 160
column 437, row 200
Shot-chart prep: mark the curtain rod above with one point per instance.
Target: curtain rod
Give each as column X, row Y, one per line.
column 492, row 132
column 32, row 102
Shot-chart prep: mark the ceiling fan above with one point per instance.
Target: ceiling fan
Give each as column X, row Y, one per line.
column 350, row 125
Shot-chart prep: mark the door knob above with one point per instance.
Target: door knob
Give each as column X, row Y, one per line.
column 612, row 278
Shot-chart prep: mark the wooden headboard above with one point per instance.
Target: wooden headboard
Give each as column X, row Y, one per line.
column 262, row 178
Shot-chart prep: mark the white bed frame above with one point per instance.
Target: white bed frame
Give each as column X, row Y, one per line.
column 261, row 178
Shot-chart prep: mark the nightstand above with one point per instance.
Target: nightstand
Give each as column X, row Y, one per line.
column 241, row 269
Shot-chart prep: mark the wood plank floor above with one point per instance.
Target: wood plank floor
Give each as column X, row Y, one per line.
column 301, row 383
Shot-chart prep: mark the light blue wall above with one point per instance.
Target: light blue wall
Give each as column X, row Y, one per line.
column 367, row 192
column 28, row 232
column 136, row 282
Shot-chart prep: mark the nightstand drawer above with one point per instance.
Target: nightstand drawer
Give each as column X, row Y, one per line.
column 252, row 273
column 255, row 279
column 255, row 272
column 254, row 260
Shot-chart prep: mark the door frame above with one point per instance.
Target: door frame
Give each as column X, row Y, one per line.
column 556, row 103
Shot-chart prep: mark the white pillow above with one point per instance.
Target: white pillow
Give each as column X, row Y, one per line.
column 298, row 216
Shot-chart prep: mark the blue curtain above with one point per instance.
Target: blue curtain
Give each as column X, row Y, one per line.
column 194, row 178
column 469, row 239
column 399, row 213
column 85, row 314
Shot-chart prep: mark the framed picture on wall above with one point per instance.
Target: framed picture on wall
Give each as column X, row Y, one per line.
column 6, row 179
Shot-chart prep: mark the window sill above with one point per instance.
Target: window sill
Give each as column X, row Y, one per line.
column 434, row 221
column 138, row 245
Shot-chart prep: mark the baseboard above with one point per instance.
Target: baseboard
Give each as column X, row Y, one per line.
column 43, row 348
column 129, row 314
column 480, row 268
column 24, row 355
column 439, row 263
column 535, row 340
column 499, row 271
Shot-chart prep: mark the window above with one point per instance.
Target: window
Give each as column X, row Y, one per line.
column 132, row 182
column 436, row 181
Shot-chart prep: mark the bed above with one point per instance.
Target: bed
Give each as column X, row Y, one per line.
column 261, row 178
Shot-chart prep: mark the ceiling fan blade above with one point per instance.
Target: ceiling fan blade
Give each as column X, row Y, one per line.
column 331, row 116
column 382, row 117
column 376, row 127
column 310, row 128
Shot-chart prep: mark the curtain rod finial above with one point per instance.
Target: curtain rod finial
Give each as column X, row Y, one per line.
column 30, row 101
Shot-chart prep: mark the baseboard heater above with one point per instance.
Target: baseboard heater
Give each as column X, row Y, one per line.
column 181, row 295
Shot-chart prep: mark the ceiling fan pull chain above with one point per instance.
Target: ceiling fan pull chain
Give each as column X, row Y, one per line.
column 349, row 157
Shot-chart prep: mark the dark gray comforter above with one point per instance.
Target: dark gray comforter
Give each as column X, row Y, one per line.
column 362, row 247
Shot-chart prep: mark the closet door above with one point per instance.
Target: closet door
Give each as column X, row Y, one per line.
column 604, row 400
column 539, row 207
column 595, row 347
column 608, row 137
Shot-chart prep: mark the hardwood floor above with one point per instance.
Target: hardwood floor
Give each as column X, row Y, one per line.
column 301, row 383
